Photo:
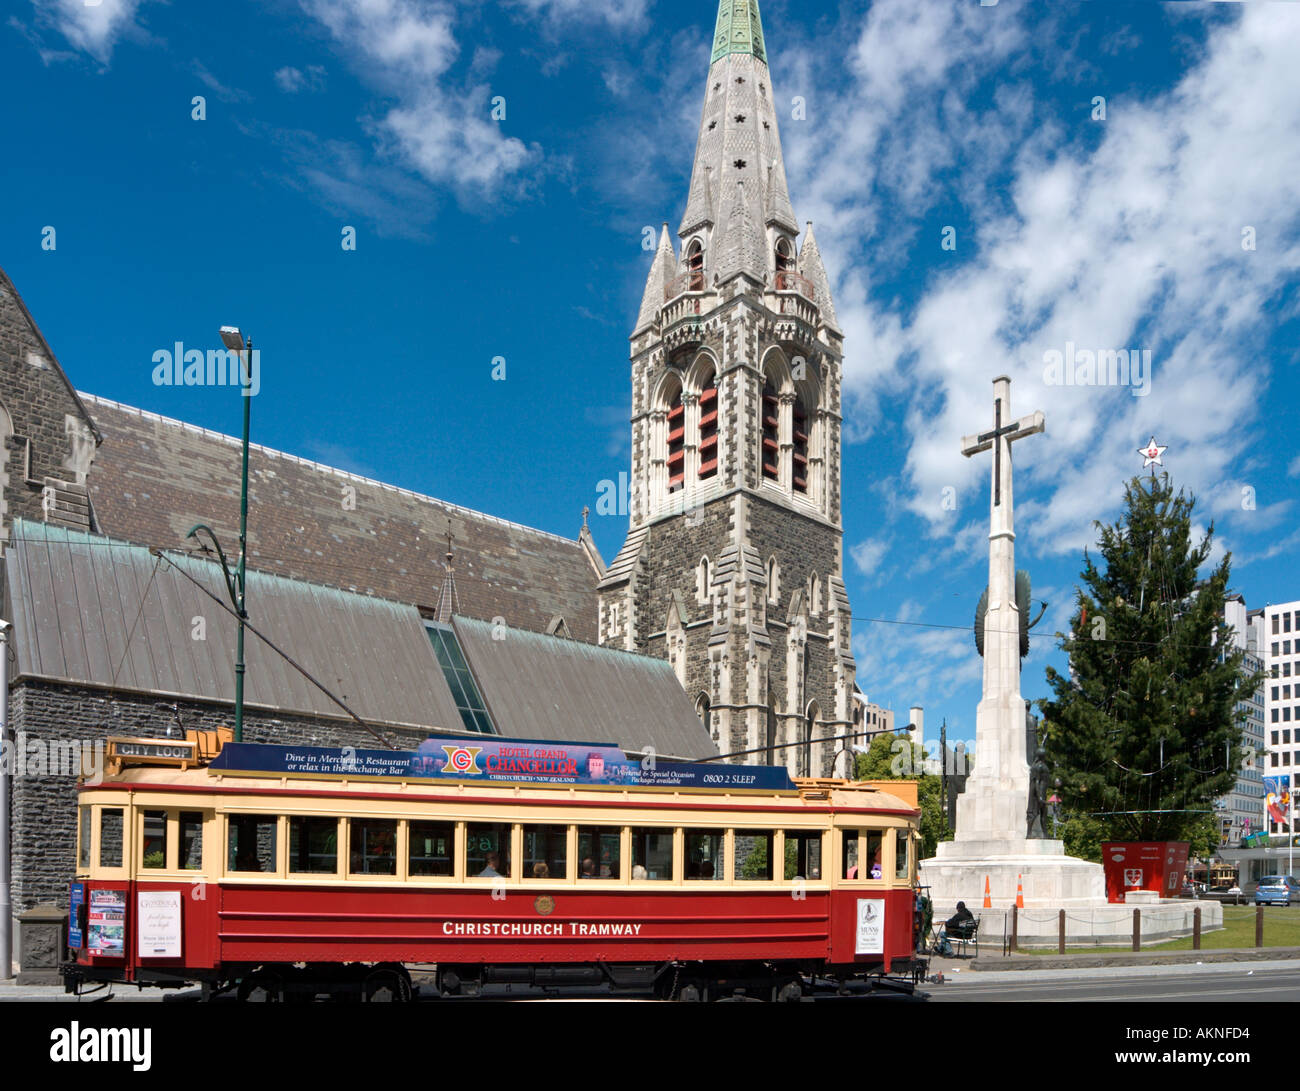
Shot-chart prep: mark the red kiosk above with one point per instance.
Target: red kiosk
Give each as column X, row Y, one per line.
column 1144, row 865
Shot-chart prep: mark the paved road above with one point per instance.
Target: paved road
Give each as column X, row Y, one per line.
column 1219, row 983
column 1227, row 982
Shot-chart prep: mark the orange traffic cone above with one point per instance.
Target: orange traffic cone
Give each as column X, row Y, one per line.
column 1020, row 892
column 988, row 898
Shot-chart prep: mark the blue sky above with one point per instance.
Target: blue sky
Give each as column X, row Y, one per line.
column 522, row 238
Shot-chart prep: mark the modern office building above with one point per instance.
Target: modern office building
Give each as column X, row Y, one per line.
column 1241, row 811
column 1279, row 641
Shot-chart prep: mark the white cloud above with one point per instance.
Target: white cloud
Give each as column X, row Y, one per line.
column 626, row 13
column 226, row 94
column 294, row 80
column 867, row 555
column 913, row 665
column 1294, row 469
column 441, row 129
column 91, row 28
column 1126, row 235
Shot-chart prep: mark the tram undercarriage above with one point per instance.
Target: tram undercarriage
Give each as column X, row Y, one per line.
column 698, row 982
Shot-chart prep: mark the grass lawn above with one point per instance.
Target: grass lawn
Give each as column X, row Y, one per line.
column 1281, row 929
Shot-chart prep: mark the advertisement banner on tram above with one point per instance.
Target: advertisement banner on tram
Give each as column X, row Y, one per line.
column 487, row 759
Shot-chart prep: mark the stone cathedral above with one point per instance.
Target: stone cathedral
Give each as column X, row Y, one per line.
column 732, row 567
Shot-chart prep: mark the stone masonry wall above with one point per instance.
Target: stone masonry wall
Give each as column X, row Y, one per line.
column 43, row 807
column 39, row 403
column 802, row 547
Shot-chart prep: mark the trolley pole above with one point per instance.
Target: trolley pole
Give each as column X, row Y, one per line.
column 6, row 905
column 943, row 771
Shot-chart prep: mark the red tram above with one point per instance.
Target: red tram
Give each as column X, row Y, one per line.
column 284, row 872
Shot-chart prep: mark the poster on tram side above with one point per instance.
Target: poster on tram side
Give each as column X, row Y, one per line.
column 106, row 923
column 871, row 927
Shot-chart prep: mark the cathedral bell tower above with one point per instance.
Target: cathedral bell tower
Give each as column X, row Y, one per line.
column 732, row 568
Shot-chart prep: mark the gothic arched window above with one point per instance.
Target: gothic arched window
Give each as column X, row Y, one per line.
column 702, row 708
column 771, row 453
column 695, row 267
column 783, row 258
column 709, row 427
column 703, row 580
column 773, row 581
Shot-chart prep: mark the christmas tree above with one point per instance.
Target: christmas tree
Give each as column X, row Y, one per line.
column 1145, row 733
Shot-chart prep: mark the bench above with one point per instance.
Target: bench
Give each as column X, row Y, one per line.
column 959, row 939
column 968, row 935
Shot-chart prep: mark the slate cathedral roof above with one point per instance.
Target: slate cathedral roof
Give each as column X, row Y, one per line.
column 89, row 610
column 153, row 478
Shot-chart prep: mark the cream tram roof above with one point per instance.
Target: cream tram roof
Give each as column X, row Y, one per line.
column 240, row 769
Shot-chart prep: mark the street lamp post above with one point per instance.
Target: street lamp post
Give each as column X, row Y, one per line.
column 234, row 341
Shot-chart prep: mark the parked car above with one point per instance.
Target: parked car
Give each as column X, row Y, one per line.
column 1277, row 890
column 1233, row 894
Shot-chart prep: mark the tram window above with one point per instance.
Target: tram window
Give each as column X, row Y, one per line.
column 431, row 845
column 191, row 857
column 313, row 845
column 83, row 851
column 110, row 837
column 252, row 846
column 546, row 852
column 753, row 855
column 705, row 854
column 803, row 855
column 652, row 853
column 373, row 846
column 487, row 850
column 851, row 855
column 875, row 846
column 902, row 870
column 153, row 849
column 599, row 852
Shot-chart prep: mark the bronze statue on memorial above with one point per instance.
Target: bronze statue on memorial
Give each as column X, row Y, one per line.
column 1039, row 785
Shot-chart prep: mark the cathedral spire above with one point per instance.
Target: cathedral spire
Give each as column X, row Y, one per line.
column 739, row 30
column 813, row 270
column 738, row 187
column 662, row 271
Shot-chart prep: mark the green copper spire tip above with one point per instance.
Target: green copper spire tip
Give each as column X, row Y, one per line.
column 739, row 30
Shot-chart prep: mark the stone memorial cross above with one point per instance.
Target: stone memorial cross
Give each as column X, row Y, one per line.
column 1001, row 776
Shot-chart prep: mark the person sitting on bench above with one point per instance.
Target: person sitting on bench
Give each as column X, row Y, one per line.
column 960, row 925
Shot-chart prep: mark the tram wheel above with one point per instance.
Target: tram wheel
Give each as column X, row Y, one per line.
column 739, row 996
column 386, row 987
column 262, row 987
column 790, row 993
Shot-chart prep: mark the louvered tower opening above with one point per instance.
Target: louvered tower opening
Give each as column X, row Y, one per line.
column 771, row 432
column 676, row 445
column 695, row 268
column 709, row 429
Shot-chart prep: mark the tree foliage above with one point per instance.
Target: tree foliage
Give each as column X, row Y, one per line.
column 894, row 757
column 1144, row 732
